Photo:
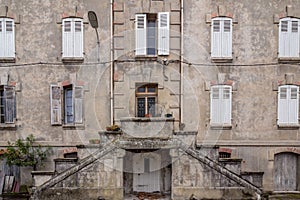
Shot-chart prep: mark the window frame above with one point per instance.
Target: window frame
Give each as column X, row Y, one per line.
column 162, row 34
column 221, row 106
column 59, row 105
column 7, row 104
column 146, row 95
column 7, row 39
column 288, row 106
column 221, row 40
column 72, row 38
column 288, row 40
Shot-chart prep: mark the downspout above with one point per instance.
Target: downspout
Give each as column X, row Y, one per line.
column 112, row 64
column 181, row 65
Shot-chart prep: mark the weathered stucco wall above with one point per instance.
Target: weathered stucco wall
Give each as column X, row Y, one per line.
column 255, row 71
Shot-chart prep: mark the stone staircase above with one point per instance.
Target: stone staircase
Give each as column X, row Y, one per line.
column 121, row 143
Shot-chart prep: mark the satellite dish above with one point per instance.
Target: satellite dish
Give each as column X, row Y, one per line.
column 93, row 19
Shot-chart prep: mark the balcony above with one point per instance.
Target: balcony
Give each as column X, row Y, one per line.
column 152, row 127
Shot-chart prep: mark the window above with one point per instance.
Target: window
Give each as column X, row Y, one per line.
column 7, row 38
column 289, row 37
column 72, row 30
column 152, row 34
column 146, row 98
column 7, row 104
column 288, row 101
column 70, row 98
column 221, row 37
column 220, row 105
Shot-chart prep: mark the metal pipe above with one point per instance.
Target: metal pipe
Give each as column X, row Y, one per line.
column 112, row 64
column 181, row 65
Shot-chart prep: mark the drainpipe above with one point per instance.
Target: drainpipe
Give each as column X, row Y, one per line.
column 181, row 65
column 112, row 64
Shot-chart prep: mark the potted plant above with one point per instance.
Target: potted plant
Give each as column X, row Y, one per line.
column 113, row 127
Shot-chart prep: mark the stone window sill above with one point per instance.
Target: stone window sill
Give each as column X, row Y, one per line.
column 72, row 59
column 288, row 126
column 7, row 60
column 73, row 126
column 221, row 60
column 8, row 126
column 146, row 57
column 220, row 126
column 288, row 59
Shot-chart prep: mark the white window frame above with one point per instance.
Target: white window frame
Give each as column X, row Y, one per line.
column 288, row 105
column 220, row 105
column 72, row 37
column 289, row 38
column 221, row 37
column 162, row 35
column 7, row 38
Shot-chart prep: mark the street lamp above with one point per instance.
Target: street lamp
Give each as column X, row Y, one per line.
column 94, row 23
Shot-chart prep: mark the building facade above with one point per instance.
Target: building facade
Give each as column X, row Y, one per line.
column 205, row 95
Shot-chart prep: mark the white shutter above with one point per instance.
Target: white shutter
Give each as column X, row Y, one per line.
column 227, row 38
column 78, row 38
column 163, row 33
column 221, row 37
column 293, row 94
column 140, row 34
column 67, row 37
column 10, row 104
column 2, row 40
column 55, row 101
column 289, row 37
column 220, row 108
column 226, row 105
column 7, row 38
column 294, row 38
column 215, row 105
column 78, row 104
column 216, row 38
column 283, row 46
column 282, row 113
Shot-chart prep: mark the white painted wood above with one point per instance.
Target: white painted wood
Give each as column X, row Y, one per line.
column 163, row 33
column 55, row 101
column 146, row 181
column 140, row 34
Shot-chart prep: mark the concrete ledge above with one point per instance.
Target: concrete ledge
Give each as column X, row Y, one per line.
column 180, row 193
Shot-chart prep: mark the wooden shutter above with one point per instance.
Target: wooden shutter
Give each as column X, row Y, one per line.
column 221, row 38
column 282, row 113
column 293, row 96
column 55, row 101
column 294, row 38
column 216, row 38
column 67, row 38
column 215, row 106
column 140, row 34
column 7, row 38
column 289, row 37
column 227, row 38
column 226, row 104
column 78, row 104
column 288, row 104
column 163, row 33
column 78, row 38
column 283, row 38
column 220, row 107
column 2, row 41
column 10, row 104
